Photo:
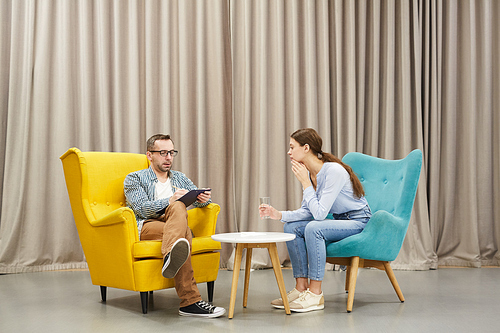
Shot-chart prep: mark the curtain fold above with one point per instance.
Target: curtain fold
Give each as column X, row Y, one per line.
column 93, row 74
column 280, row 83
column 230, row 80
column 375, row 61
column 461, row 117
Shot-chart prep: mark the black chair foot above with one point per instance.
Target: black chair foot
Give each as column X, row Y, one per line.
column 210, row 289
column 144, row 301
column 103, row 293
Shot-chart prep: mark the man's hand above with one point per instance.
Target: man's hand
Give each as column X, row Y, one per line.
column 204, row 197
column 177, row 194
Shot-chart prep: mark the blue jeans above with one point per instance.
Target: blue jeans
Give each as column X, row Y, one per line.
column 308, row 250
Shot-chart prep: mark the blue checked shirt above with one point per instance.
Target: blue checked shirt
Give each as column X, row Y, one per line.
column 139, row 188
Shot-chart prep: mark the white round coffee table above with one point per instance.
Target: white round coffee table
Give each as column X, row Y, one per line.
column 249, row 241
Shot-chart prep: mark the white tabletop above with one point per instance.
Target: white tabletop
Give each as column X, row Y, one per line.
column 253, row 237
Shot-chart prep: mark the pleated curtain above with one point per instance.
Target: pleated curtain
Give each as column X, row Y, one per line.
column 230, row 81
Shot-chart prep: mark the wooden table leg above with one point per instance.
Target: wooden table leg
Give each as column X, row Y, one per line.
column 248, row 266
column 236, row 273
column 273, row 253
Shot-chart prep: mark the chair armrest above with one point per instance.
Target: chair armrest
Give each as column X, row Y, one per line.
column 203, row 221
column 385, row 234
column 380, row 240
column 383, row 222
column 119, row 215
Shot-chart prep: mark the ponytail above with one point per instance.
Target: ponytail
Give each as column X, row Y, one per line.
column 357, row 187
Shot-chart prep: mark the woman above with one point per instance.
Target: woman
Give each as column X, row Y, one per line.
column 333, row 207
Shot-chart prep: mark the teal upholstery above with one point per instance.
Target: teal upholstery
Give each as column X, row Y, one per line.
column 390, row 188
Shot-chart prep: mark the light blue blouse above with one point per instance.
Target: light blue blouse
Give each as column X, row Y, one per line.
column 333, row 195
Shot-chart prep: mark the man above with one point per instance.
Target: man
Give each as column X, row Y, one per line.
column 152, row 194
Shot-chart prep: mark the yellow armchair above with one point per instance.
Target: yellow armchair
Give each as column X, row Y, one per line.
column 108, row 230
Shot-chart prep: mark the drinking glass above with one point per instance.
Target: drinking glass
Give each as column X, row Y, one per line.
column 265, row 201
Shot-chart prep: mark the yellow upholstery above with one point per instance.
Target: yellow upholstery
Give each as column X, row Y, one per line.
column 108, row 229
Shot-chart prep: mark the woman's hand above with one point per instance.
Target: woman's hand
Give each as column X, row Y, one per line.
column 267, row 211
column 301, row 173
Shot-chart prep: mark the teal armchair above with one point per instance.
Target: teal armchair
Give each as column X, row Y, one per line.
column 390, row 188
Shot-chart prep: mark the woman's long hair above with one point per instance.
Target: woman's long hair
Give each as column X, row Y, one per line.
column 311, row 137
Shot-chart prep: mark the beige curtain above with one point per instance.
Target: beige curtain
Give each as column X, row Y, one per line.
column 280, row 83
column 462, row 121
column 375, row 63
column 350, row 70
column 230, row 80
column 105, row 75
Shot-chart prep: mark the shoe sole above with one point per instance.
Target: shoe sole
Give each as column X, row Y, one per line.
column 178, row 256
column 311, row 308
column 210, row 315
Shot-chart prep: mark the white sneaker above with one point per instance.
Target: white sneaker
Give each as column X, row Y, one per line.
column 292, row 296
column 308, row 301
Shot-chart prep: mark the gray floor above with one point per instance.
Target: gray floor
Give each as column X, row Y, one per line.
column 444, row 300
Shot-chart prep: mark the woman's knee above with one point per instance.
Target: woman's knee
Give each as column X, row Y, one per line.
column 313, row 228
column 289, row 228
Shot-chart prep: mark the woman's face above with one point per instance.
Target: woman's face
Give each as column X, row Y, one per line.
column 296, row 151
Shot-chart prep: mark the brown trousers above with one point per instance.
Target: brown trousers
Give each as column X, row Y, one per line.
column 169, row 228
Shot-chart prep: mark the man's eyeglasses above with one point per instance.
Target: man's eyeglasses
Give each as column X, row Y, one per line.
column 164, row 153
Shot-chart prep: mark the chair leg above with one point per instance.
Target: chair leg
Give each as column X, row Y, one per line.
column 210, row 289
column 103, row 293
column 392, row 277
column 144, row 301
column 347, row 275
column 353, row 274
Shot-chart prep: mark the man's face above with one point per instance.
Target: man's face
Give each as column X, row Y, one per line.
column 158, row 163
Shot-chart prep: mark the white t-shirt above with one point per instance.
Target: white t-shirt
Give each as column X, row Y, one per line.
column 163, row 190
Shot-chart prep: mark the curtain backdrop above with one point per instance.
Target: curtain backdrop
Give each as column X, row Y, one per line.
column 104, row 76
column 230, row 80
column 461, row 104
column 280, row 83
column 375, row 97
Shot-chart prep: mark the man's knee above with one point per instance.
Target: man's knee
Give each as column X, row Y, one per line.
column 178, row 207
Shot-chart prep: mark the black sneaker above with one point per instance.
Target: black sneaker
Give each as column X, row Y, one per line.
column 202, row 309
column 174, row 260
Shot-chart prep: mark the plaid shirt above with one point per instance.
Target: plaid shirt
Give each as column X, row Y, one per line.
column 139, row 188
